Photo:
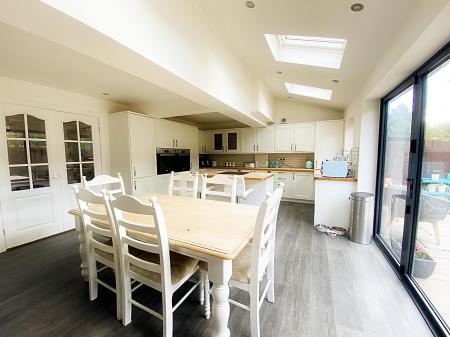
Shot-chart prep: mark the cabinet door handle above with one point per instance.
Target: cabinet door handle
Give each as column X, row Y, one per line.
column 134, row 171
column 135, row 185
column 257, row 147
column 295, row 147
column 173, row 142
column 254, row 147
column 176, row 142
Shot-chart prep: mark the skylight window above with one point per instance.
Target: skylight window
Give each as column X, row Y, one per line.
column 304, row 90
column 307, row 50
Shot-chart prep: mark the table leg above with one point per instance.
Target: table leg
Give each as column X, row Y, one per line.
column 220, row 273
column 83, row 254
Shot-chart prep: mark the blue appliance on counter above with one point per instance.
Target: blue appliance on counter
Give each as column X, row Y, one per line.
column 335, row 168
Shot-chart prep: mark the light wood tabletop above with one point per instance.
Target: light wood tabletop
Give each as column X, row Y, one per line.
column 209, row 227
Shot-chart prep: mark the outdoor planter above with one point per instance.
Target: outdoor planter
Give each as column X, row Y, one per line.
column 423, row 266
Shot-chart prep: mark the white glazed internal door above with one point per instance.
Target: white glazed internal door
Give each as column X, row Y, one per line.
column 79, row 155
column 30, row 179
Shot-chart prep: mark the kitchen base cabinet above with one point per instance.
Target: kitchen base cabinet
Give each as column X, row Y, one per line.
column 162, row 183
column 332, row 202
column 297, row 185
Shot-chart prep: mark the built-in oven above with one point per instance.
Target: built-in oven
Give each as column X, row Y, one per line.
column 168, row 160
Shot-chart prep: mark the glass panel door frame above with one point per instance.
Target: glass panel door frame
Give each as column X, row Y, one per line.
column 404, row 267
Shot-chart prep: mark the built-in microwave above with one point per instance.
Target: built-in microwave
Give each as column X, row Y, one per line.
column 169, row 159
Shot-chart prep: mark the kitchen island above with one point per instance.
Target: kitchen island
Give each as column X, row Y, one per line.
column 257, row 184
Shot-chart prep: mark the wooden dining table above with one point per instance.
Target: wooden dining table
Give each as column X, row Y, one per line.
column 209, row 230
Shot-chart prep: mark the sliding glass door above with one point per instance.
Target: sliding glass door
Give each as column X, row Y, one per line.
column 412, row 221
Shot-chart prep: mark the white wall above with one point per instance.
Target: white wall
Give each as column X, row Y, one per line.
column 299, row 112
column 424, row 33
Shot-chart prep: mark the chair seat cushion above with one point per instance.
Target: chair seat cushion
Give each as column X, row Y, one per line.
column 242, row 264
column 180, row 265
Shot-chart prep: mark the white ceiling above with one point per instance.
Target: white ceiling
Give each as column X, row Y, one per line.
column 30, row 58
column 368, row 33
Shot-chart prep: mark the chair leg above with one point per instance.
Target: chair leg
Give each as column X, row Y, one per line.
column 436, row 232
column 202, row 287
column 271, row 279
column 93, row 285
column 207, row 297
column 167, row 314
column 126, row 299
column 119, row 292
column 254, row 315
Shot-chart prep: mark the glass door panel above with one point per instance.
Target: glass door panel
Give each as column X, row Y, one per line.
column 431, row 264
column 395, row 170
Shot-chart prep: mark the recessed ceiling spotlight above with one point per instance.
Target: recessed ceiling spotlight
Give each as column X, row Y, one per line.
column 279, row 72
column 105, row 94
column 335, row 81
column 250, row 4
column 358, row 7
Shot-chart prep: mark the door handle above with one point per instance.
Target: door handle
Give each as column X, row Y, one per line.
column 176, row 142
column 173, row 142
column 410, row 187
column 135, row 185
column 134, row 171
column 295, row 147
column 254, row 147
column 257, row 147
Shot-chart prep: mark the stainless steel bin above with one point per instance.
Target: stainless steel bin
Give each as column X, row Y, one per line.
column 361, row 217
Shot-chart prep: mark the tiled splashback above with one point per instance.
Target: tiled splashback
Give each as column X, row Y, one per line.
column 263, row 159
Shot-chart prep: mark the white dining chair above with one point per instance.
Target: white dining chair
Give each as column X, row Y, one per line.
column 257, row 261
column 241, row 190
column 219, row 187
column 103, row 181
column 155, row 267
column 183, row 184
column 101, row 245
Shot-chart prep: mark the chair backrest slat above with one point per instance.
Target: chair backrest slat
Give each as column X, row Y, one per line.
column 101, row 246
column 126, row 205
column 263, row 243
column 219, row 185
column 103, row 181
column 183, row 184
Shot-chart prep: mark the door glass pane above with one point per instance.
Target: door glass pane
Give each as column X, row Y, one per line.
column 40, row 176
column 396, row 161
column 88, row 171
column 17, row 152
column 70, row 130
column 19, row 178
column 85, row 132
column 38, row 152
column 15, row 126
column 232, row 141
column 218, row 142
column 36, row 127
column 87, row 152
column 431, row 265
column 72, row 154
column 73, row 173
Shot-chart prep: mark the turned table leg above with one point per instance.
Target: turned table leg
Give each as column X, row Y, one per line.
column 83, row 254
column 220, row 273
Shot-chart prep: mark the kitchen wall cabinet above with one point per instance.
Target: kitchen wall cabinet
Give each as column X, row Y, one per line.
column 329, row 141
column 132, row 138
column 295, row 137
column 175, row 135
column 297, row 185
column 257, row 140
column 204, row 141
column 225, row 141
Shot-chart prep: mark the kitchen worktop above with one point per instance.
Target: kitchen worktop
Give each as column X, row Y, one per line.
column 256, row 176
column 318, row 176
column 274, row 169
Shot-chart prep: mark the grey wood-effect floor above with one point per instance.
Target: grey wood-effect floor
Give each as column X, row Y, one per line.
column 324, row 287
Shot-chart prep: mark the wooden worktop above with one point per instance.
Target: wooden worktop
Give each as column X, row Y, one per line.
column 318, row 176
column 256, row 176
column 210, row 227
column 273, row 169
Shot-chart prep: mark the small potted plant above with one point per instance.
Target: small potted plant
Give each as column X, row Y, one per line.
column 424, row 264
